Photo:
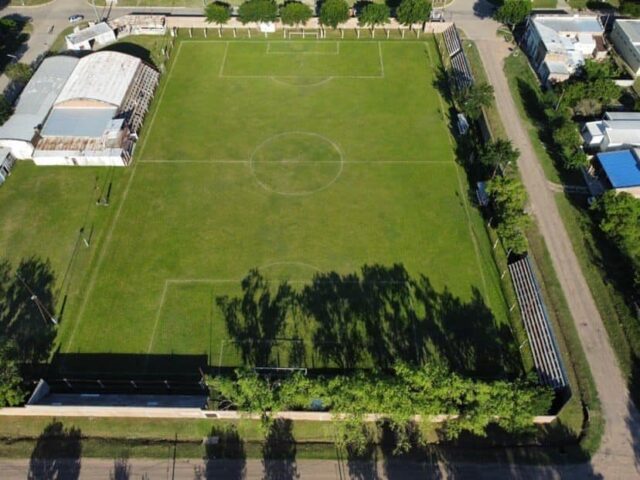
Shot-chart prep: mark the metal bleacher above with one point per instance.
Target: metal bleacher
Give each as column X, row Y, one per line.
column 460, row 69
column 546, row 355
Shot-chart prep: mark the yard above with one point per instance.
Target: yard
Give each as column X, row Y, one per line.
column 292, row 158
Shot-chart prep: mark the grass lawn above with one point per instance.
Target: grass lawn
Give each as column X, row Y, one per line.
column 291, row 157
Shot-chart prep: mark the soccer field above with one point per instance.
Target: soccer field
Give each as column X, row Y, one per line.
column 298, row 158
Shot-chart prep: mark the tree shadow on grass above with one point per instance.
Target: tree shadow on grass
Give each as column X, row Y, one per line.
column 26, row 311
column 57, row 454
column 121, row 468
column 373, row 318
column 279, row 452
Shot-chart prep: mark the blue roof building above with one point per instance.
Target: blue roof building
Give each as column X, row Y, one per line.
column 622, row 170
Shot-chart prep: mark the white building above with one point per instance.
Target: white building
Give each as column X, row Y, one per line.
column 91, row 118
column 94, row 35
column 559, row 44
column 616, row 131
column 625, row 37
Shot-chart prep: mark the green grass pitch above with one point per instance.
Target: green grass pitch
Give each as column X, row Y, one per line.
column 294, row 157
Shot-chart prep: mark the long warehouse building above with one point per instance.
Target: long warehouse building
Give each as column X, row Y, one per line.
column 84, row 111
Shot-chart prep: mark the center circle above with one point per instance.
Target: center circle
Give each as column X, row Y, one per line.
column 296, row 163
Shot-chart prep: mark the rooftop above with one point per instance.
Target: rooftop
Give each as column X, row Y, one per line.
column 89, row 33
column 570, row 23
column 631, row 28
column 101, row 76
column 621, row 167
column 38, row 97
column 78, row 122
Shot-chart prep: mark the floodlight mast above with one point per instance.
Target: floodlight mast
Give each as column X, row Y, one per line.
column 46, row 315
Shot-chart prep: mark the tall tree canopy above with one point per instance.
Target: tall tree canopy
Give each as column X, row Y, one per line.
column 413, row 11
column 474, row 98
column 334, row 12
column 513, row 12
column 218, row 13
column 295, row 13
column 374, row 14
column 498, row 153
column 258, row 11
column 509, row 198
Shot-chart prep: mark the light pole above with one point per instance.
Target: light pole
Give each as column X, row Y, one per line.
column 46, row 315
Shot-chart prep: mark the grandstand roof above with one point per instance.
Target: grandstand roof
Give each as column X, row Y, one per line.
column 38, row 97
column 78, row 122
column 102, row 76
column 621, row 167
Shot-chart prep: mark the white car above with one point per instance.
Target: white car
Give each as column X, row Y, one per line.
column 75, row 18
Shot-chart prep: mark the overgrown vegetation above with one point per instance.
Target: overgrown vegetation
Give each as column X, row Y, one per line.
column 429, row 390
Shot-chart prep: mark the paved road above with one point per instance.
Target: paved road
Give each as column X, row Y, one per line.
column 253, row 469
column 620, row 446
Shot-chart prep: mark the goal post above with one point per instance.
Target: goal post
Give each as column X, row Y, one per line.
column 303, row 34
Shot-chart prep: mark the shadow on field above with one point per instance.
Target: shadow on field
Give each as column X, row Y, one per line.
column 121, row 469
column 26, row 311
column 279, row 452
column 56, row 454
column 374, row 317
column 225, row 455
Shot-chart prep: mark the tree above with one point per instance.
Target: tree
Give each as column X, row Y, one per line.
column 498, row 153
column 218, row 13
column 334, row 12
column 413, row 11
column 630, row 8
column 258, row 11
column 474, row 98
column 374, row 14
column 509, row 198
column 5, row 109
column 19, row 72
column 11, row 392
column 513, row 12
column 619, row 219
column 295, row 13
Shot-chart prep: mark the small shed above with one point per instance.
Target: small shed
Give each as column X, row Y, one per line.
column 622, row 170
column 97, row 34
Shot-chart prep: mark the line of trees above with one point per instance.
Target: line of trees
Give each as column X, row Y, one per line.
column 331, row 13
column 427, row 390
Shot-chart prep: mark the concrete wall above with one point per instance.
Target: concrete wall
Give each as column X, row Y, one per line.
column 625, row 48
column 197, row 21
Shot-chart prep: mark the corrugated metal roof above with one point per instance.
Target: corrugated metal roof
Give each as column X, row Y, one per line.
column 78, row 122
column 631, row 28
column 101, row 76
column 571, row 23
column 89, row 33
column 622, row 115
column 38, row 97
column 621, row 167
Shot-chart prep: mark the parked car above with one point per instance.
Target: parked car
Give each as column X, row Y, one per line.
column 75, row 18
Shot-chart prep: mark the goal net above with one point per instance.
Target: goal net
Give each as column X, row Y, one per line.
column 303, row 34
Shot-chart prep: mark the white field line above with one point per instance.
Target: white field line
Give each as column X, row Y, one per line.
column 324, row 78
column 101, row 257
column 363, row 162
column 462, row 193
column 224, row 59
column 337, row 50
column 157, row 319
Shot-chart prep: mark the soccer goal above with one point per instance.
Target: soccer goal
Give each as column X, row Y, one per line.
column 304, row 34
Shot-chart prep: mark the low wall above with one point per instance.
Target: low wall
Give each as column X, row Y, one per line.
column 198, row 21
column 192, row 413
